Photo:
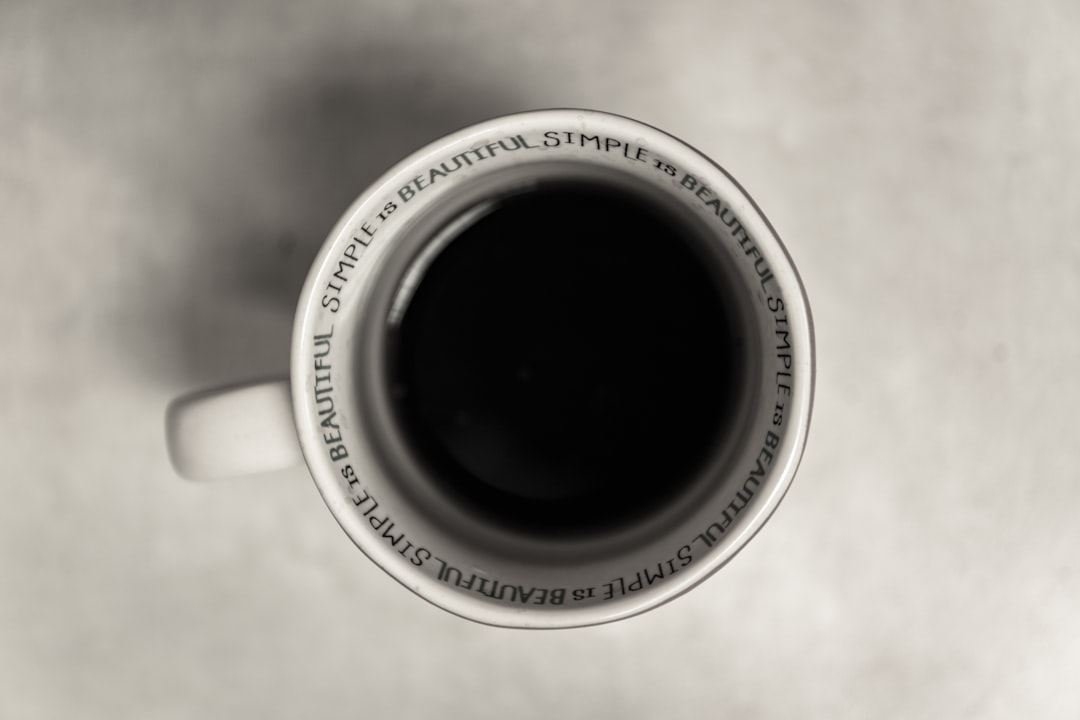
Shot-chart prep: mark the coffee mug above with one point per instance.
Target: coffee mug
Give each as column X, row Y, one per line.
column 552, row 370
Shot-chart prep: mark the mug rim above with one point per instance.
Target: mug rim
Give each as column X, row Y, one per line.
column 328, row 473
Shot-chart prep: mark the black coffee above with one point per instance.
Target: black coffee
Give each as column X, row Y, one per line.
column 567, row 361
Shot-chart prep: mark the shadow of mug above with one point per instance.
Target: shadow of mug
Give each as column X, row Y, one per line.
column 270, row 186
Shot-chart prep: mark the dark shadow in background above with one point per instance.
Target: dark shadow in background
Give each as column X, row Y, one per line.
column 331, row 133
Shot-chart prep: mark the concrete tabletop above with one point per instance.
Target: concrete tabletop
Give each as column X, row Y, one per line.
column 168, row 171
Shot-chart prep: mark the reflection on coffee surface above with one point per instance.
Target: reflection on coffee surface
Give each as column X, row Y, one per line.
column 567, row 362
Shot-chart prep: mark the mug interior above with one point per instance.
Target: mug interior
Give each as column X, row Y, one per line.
column 547, row 519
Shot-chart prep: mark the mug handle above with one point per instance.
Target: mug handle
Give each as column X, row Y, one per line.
column 233, row 431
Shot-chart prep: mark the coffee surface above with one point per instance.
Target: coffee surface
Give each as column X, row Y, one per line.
column 566, row 362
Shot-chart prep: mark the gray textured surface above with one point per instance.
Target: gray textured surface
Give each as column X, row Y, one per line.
column 167, row 170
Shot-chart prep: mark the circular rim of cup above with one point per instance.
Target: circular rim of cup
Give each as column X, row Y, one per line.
column 327, row 475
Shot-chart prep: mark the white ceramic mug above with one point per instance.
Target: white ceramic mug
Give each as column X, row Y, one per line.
column 445, row 467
